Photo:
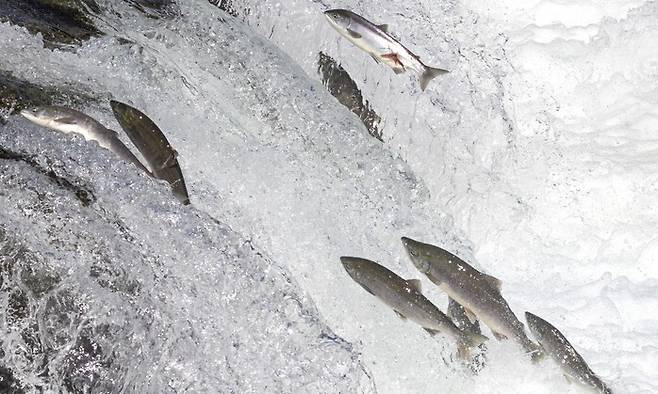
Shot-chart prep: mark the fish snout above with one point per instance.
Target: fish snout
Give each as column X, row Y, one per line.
column 348, row 263
column 29, row 113
column 410, row 246
column 353, row 265
column 35, row 115
column 413, row 250
column 338, row 17
column 405, row 241
column 533, row 322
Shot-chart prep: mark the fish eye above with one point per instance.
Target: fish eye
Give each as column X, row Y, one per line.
column 413, row 253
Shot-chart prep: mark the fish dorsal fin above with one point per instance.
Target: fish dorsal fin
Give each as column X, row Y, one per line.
column 415, row 284
column 400, row 315
column 384, row 27
column 493, row 281
column 353, row 34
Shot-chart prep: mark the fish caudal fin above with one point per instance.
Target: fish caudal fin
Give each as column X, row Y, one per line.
column 429, row 74
column 468, row 342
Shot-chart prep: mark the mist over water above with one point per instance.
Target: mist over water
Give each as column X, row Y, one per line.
column 534, row 159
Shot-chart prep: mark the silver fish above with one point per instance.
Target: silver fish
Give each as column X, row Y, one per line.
column 406, row 299
column 67, row 120
column 375, row 40
column 572, row 364
column 477, row 292
column 152, row 143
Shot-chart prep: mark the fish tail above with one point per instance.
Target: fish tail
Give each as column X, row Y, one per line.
column 429, row 74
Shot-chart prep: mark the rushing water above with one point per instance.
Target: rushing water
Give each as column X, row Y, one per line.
column 109, row 284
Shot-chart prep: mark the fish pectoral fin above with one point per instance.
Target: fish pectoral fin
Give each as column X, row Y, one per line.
column 430, row 331
column 493, row 281
column 384, row 27
column 398, row 70
column 400, row 315
column 171, row 160
column 470, row 315
column 67, row 120
column 415, row 284
column 353, row 34
column 568, row 379
column 376, row 59
column 499, row 336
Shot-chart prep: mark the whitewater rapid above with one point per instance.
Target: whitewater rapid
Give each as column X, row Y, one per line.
column 534, row 159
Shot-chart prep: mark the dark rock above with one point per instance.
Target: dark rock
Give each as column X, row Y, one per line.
column 231, row 8
column 82, row 193
column 8, row 383
column 17, row 94
column 61, row 22
column 156, row 8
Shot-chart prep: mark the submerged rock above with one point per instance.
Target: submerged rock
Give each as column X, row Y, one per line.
column 60, row 22
column 8, row 383
column 230, row 7
column 156, row 8
column 17, row 94
column 67, row 23
column 136, row 293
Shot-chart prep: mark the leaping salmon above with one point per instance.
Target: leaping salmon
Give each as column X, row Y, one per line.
column 378, row 43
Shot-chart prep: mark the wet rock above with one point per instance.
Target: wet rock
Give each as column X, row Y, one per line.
column 156, row 8
column 231, row 7
column 84, row 194
column 8, row 383
column 86, row 363
column 61, row 22
column 17, row 94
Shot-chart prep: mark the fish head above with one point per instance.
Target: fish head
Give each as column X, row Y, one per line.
column 62, row 119
column 418, row 254
column 339, row 19
column 350, row 264
column 41, row 115
column 354, row 266
column 536, row 324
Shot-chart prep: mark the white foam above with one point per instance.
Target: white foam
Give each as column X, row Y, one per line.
column 534, row 158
